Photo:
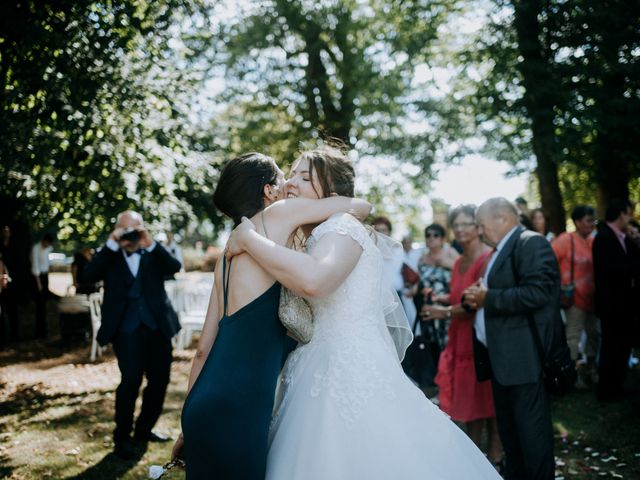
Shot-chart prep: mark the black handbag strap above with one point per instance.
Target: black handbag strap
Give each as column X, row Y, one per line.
column 415, row 324
column 532, row 325
column 571, row 236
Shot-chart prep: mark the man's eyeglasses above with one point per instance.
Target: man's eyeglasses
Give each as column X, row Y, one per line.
column 463, row 225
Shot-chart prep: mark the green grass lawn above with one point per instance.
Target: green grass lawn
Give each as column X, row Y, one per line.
column 56, row 419
column 596, row 440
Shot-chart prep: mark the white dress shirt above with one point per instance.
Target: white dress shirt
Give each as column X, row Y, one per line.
column 479, row 323
column 133, row 261
column 40, row 259
column 392, row 268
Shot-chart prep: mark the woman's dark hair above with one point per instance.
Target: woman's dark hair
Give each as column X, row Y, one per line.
column 333, row 169
column 239, row 192
column 581, row 211
column 435, row 228
column 525, row 221
column 532, row 215
column 468, row 210
column 382, row 220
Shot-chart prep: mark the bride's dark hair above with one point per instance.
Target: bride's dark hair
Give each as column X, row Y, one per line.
column 333, row 169
column 239, row 192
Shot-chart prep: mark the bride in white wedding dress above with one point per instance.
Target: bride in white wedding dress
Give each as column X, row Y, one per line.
column 346, row 410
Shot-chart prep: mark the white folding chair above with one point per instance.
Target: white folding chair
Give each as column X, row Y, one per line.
column 194, row 299
column 95, row 301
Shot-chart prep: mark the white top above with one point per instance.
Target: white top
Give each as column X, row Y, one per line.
column 392, row 268
column 133, row 261
column 478, row 323
column 40, row 259
column 413, row 256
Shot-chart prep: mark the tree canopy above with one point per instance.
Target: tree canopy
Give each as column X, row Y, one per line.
column 96, row 113
column 558, row 83
column 106, row 106
column 299, row 70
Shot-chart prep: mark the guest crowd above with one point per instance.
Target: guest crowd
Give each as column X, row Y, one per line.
column 474, row 304
column 489, row 297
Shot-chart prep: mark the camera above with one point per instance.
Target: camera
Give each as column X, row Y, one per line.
column 130, row 235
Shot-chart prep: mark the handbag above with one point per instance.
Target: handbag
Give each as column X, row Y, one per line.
column 558, row 369
column 418, row 361
column 409, row 275
column 295, row 314
column 567, row 292
column 293, row 310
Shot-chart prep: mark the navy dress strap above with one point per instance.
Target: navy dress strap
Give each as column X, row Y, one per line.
column 225, row 284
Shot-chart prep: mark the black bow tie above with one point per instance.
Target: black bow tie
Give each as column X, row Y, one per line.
column 140, row 251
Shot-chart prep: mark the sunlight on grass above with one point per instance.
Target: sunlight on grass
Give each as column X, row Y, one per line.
column 52, row 430
column 52, row 434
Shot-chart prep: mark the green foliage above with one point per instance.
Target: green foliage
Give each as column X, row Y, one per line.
column 586, row 85
column 298, row 71
column 95, row 113
column 103, row 105
column 596, row 49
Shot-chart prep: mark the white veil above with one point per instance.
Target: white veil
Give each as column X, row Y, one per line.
column 394, row 315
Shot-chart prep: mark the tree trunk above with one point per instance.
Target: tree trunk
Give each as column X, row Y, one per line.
column 539, row 98
column 550, row 194
column 617, row 143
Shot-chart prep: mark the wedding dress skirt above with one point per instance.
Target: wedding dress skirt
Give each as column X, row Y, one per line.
column 346, row 410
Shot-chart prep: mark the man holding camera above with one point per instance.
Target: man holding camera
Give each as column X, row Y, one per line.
column 138, row 320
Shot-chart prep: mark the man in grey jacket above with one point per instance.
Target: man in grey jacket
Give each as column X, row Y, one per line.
column 522, row 279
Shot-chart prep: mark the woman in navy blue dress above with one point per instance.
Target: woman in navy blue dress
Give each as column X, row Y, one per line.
column 226, row 415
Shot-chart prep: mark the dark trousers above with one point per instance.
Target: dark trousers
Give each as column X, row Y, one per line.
column 143, row 352
column 41, row 305
column 526, row 431
column 614, row 357
column 8, row 316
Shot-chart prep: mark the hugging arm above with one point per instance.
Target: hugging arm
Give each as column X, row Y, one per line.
column 310, row 275
column 294, row 212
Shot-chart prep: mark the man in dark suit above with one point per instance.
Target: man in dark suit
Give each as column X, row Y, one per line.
column 615, row 264
column 522, row 279
column 138, row 320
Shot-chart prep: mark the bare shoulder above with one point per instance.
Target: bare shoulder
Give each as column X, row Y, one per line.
column 275, row 221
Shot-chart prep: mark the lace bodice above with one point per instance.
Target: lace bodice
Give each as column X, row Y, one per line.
column 355, row 305
column 344, row 405
column 350, row 329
